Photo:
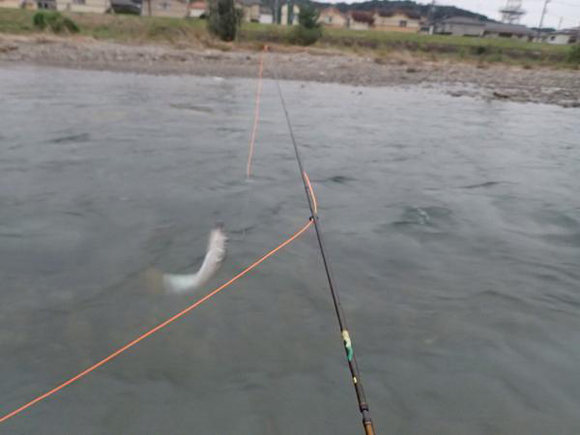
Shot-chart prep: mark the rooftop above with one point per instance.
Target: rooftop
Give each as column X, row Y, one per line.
column 362, row 16
column 198, row 5
column 392, row 13
column 571, row 31
column 331, row 10
column 508, row 28
column 463, row 20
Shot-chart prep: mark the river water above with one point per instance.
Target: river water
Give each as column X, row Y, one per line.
column 453, row 227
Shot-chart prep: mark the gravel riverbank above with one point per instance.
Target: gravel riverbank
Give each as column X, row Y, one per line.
column 538, row 85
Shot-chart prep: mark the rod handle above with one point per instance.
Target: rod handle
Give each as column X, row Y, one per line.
column 369, row 429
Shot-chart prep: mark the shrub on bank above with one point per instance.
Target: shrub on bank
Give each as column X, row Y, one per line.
column 54, row 22
column 224, row 19
column 309, row 29
column 304, row 36
column 574, row 55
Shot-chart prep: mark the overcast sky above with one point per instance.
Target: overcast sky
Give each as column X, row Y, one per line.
column 567, row 10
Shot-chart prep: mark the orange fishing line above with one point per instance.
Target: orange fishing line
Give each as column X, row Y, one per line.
column 158, row 327
column 256, row 113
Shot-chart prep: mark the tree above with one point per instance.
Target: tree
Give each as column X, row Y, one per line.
column 224, row 19
column 308, row 17
column 309, row 29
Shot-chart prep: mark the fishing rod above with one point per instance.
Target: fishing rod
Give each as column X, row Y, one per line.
column 347, row 341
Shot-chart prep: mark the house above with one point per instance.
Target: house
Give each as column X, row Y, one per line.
column 198, row 9
column 13, row 4
column 266, row 16
column 251, row 10
column 460, row 26
column 332, row 17
column 463, row 26
column 165, row 8
column 46, row 4
column 397, row 21
column 557, row 38
column 284, row 18
column 93, row 6
column 360, row 20
column 505, row 30
column 563, row 37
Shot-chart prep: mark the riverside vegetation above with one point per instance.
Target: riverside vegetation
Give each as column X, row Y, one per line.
column 380, row 45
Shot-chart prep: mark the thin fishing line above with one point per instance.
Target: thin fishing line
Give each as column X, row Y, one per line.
column 253, row 137
column 244, row 218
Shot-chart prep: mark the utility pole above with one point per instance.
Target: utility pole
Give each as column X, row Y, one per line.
column 432, row 10
column 432, row 18
column 543, row 15
column 290, row 5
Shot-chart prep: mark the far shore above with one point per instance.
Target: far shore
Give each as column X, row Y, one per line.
column 490, row 68
column 537, row 85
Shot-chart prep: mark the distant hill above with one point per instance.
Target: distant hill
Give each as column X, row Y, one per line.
column 440, row 12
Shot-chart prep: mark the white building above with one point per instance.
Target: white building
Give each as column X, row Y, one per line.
column 266, row 16
column 198, row 9
column 94, row 6
column 332, row 17
column 564, row 37
column 284, row 15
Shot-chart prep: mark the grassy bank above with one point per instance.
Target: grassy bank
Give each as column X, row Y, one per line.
column 381, row 45
column 120, row 28
column 431, row 47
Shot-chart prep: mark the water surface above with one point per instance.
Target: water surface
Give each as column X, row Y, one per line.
column 453, row 227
